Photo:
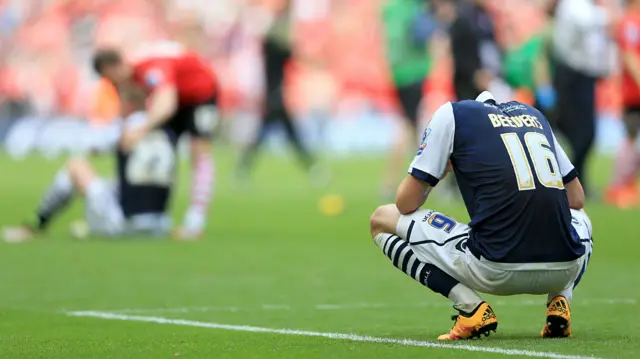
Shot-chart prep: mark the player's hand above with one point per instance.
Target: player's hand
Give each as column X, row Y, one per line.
column 130, row 137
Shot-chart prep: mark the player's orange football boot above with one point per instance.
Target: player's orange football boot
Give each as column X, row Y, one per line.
column 558, row 323
column 468, row 326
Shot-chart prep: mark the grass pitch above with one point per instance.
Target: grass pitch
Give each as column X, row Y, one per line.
column 271, row 261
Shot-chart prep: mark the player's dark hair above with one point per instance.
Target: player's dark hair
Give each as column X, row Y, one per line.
column 105, row 57
column 133, row 96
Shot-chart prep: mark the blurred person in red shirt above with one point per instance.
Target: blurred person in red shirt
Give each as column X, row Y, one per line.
column 182, row 92
column 623, row 191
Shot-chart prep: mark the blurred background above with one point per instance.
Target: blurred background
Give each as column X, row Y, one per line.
column 283, row 253
column 341, row 82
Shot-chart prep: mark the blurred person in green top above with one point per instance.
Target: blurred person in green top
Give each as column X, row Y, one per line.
column 407, row 26
column 527, row 67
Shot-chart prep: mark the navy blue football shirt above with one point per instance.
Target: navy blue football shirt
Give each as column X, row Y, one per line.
column 511, row 173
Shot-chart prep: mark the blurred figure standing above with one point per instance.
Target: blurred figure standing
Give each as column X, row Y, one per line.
column 277, row 54
column 468, row 26
column 583, row 52
column 469, row 78
column 477, row 13
column 623, row 191
column 408, row 26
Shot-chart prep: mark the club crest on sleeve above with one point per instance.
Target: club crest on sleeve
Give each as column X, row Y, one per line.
column 423, row 143
column 153, row 77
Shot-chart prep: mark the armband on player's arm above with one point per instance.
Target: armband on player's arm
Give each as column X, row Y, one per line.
column 431, row 162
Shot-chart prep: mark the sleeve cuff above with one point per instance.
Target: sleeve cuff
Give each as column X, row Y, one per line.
column 573, row 174
column 424, row 176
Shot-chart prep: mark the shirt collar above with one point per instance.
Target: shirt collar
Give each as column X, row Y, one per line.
column 485, row 96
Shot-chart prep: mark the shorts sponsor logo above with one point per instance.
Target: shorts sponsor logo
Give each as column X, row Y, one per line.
column 427, row 216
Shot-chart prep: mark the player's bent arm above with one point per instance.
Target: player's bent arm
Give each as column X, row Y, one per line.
column 411, row 194
column 162, row 105
column 431, row 163
column 575, row 194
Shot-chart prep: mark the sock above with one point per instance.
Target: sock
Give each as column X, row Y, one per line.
column 403, row 258
column 202, row 183
column 57, row 196
column 625, row 167
column 567, row 293
column 466, row 299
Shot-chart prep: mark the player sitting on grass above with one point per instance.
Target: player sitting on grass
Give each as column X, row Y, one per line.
column 182, row 94
column 528, row 233
column 135, row 205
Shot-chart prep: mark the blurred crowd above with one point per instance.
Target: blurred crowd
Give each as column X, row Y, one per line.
column 46, row 47
column 339, row 49
column 362, row 76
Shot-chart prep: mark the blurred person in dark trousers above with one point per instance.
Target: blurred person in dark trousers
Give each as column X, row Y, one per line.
column 623, row 189
column 477, row 12
column 583, row 53
column 277, row 54
column 469, row 78
column 408, row 26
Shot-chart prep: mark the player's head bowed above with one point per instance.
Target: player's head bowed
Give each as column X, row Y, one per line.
column 109, row 63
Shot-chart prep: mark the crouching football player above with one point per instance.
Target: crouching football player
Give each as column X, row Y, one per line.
column 528, row 232
column 136, row 204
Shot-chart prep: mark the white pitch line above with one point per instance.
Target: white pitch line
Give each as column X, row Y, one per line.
column 338, row 336
column 355, row 306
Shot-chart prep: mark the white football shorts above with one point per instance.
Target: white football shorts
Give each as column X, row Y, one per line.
column 440, row 240
column 104, row 214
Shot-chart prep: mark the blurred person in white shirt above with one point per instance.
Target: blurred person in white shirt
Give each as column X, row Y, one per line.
column 584, row 53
